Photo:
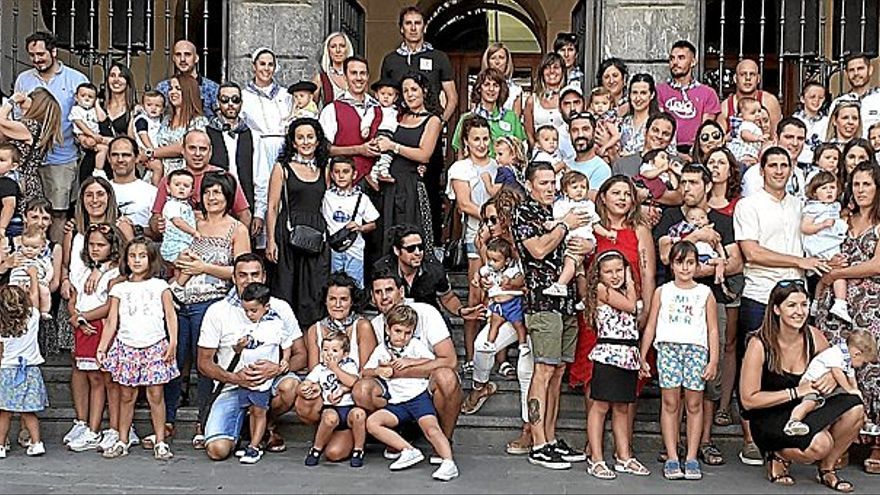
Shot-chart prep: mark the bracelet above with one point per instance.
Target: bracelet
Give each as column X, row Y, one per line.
column 396, row 148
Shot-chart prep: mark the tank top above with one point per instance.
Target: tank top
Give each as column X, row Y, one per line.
column 353, row 351
column 543, row 116
column 682, row 315
column 731, row 104
column 204, row 287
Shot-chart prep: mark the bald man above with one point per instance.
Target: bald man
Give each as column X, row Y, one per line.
column 747, row 79
column 186, row 62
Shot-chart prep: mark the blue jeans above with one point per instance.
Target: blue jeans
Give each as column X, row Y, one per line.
column 344, row 262
column 189, row 325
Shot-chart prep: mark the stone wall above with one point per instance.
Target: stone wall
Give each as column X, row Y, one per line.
column 294, row 30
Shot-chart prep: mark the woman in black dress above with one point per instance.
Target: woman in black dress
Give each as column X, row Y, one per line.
column 118, row 102
column 776, row 358
column 405, row 200
column 296, row 191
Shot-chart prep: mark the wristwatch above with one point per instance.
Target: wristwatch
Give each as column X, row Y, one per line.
column 149, row 153
column 396, row 148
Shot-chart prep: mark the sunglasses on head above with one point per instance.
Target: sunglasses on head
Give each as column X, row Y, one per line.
column 492, row 220
column 413, row 247
column 226, row 99
column 100, row 227
column 788, row 283
column 713, row 136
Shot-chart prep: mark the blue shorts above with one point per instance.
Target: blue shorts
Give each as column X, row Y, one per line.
column 511, row 310
column 226, row 418
column 258, row 398
column 681, row 365
column 413, row 409
column 342, row 412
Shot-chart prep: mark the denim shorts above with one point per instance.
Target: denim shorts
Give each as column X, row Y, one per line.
column 280, row 378
column 226, row 417
column 511, row 310
column 681, row 365
column 413, row 409
column 247, row 398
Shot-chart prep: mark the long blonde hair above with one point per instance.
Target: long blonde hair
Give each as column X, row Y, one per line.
column 46, row 110
column 492, row 50
column 325, row 50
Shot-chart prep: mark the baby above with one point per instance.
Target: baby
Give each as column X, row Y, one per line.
column 747, row 137
column 263, row 340
column 505, row 305
column 304, row 104
column 708, row 254
column 547, row 147
column 34, row 254
column 841, row 360
column 575, row 186
column 823, row 233
column 148, row 119
column 85, row 115
column 603, row 108
column 658, row 172
column 10, row 192
column 180, row 220
column 387, row 93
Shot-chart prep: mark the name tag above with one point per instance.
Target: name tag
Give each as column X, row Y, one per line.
column 505, row 126
column 426, row 64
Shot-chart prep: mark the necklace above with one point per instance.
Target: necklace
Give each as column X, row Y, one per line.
column 335, row 72
column 309, row 162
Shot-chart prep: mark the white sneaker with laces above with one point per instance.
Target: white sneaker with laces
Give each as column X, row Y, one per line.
column 408, row 458
column 556, row 289
column 109, row 437
column 447, row 471
column 36, row 449
column 840, row 310
column 79, row 427
column 487, row 347
column 87, row 441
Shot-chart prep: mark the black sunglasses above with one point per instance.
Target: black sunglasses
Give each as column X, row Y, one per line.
column 715, row 135
column 794, row 281
column 413, row 247
column 226, row 99
column 101, row 227
column 492, row 220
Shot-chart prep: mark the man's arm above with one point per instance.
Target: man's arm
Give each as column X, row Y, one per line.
column 451, row 99
column 212, row 370
column 755, row 253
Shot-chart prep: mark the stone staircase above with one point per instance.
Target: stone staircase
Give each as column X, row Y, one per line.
column 496, row 423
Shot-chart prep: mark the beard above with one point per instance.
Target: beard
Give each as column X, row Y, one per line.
column 582, row 145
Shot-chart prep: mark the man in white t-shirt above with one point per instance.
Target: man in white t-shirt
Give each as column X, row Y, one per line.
column 444, row 387
column 224, row 324
column 134, row 197
column 858, row 74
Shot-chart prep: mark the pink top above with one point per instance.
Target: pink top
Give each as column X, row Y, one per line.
column 688, row 105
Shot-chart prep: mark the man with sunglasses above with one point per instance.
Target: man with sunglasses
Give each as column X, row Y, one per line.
column 858, row 74
column 232, row 149
column 748, row 79
column 581, row 127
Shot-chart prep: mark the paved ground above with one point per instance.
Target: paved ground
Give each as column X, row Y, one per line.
column 491, row 471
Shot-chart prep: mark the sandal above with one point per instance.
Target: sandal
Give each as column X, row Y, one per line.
column 507, row 371
column 630, row 466
column 710, row 455
column 476, row 398
column 835, row 484
column 783, row 478
column 722, row 418
column 872, row 466
column 599, row 470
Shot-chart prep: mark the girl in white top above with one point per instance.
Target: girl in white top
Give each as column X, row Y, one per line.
column 22, row 389
column 142, row 354
column 683, row 327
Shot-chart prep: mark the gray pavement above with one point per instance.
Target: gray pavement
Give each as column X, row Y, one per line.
column 486, row 470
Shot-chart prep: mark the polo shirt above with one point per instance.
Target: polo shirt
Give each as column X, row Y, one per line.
column 775, row 225
column 434, row 64
column 500, row 125
column 240, row 203
column 688, row 105
column 63, row 87
column 208, row 90
column 596, row 169
column 429, row 283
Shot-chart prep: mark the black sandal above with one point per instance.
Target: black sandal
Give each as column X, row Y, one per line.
column 784, row 478
column 822, row 478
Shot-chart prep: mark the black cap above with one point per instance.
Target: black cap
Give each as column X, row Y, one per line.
column 303, row 86
column 381, row 83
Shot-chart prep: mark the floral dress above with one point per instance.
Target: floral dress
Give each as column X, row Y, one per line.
column 31, row 159
column 168, row 135
column 863, row 296
column 616, row 330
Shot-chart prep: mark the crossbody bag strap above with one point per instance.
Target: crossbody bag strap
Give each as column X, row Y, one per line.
column 357, row 206
column 286, row 198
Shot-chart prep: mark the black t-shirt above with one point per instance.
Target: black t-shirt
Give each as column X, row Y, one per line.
column 429, row 283
column 723, row 224
column 434, row 64
column 9, row 187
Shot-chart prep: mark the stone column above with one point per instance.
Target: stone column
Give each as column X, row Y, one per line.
column 294, row 30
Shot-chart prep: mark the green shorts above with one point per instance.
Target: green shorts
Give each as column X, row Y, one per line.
column 713, row 388
column 554, row 337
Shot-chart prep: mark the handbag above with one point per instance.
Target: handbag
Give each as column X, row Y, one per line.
column 455, row 253
column 343, row 238
column 303, row 238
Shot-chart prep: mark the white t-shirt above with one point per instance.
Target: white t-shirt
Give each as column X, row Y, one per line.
column 87, row 302
column 329, row 382
column 836, row 356
column 135, row 200
column 431, row 328
column 225, row 322
column 88, row 117
column 266, row 339
column 775, row 225
column 563, row 205
column 141, row 314
column 512, row 271
column 682, row 315
column 337, row 211
column 27, row 346
column 467, row 171
column 389, row 119
column 402, row 389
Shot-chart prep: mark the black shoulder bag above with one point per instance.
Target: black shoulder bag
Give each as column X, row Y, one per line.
column 345, row 237
column 303, row 238
column 203, row 414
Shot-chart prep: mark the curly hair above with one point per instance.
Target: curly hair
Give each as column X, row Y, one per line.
column 15, row 310
column 288, row 151
column 593, row 279
column 432, row 102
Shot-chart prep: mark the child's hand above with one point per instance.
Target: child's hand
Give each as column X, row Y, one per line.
column 385, row 372
column 101, row 356
column 331, row 362
column 402, row 363
column 170, row 353
column 92, row 281
column 829, row 222
column 240, row 345
column 710, row 371
column 353, row 226
column 335, row 396
column 197, row 235
column 309, row 390
column 612, row 235
column 645, row 371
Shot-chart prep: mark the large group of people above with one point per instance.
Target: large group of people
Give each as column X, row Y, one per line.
column 617, row 230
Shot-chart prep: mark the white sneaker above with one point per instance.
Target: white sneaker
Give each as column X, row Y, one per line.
column 2, row 452
column 389, row 454
column 447, row 471
column 87, row 441
column 109, row 437
column 36, row 449
column 870, row 429
column 524, row 349
column 556, row 289
column 840, row 310
column 118, row 450
column 133, row 438
column 79, row 427
column 408, row 458
column 487, row 347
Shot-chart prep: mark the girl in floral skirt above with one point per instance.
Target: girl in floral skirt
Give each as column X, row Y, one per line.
column 21, row 383
column 142, row 355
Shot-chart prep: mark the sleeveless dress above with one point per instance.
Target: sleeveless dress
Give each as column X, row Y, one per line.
column 767, row 424
column 31, row 160
column 543, row 116
column 205, row 287
column 863, row 296
column 299, row 278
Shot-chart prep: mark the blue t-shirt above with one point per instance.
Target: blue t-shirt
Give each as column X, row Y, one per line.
column 596, row 170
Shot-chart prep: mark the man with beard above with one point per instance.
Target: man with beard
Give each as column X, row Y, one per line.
column 858, row 75
column 747, row 81
column 60, row 171
column 580, row 127
column 232, row 149
column 571, row 101
column 689, row 101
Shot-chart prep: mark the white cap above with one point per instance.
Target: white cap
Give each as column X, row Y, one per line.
column 572, row 86
column 259, row 51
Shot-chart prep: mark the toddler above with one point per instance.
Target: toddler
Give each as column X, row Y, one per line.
column 35, row 254
column 336, row 374
column 263, row 340
column 747, row 137
column 547, row 147
column 387, row 94
column 575, row 186
column 180, row 220
column 409, row 399
column 658, row 172
column 22, row 390
column 709, row 254
column 826, row 158
column 148, row 119
column 304, row 104
column 505, row 305
column 683, row 327
column 841, row 360
column 511, row 160
column 85, row 115
column 603, row 108
column 823, row 233
column 10, row 212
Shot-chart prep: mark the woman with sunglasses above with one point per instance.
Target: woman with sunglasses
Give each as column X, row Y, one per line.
column 710, row 136
column 862, row 251
column 775, row 359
